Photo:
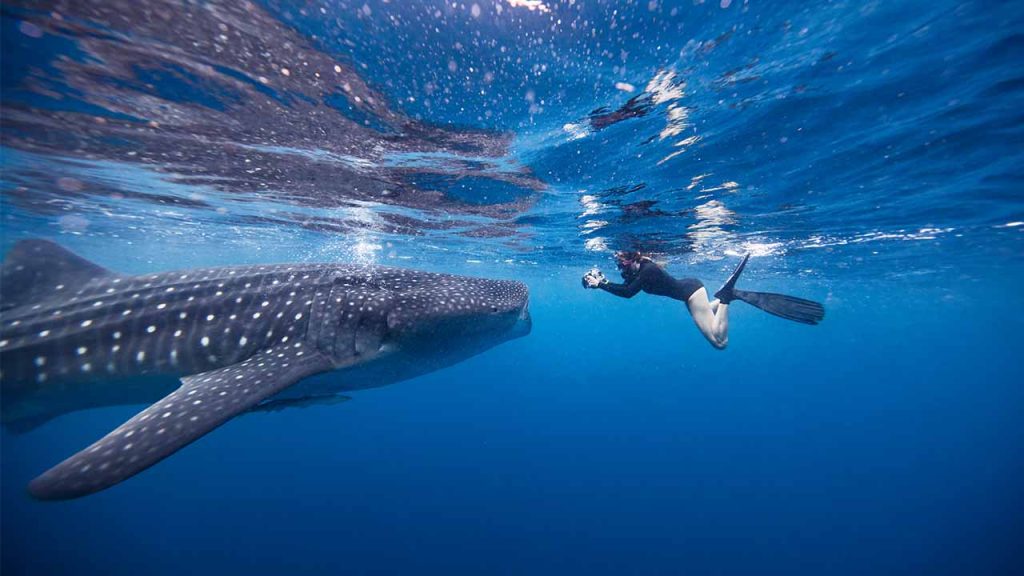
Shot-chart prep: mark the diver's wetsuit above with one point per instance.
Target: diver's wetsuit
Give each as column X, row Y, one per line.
column 653, row 279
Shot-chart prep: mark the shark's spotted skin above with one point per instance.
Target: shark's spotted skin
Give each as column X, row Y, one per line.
column 178, row 322
column 202, row 403
column 70, row 330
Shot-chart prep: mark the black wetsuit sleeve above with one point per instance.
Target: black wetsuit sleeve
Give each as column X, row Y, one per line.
column 624, row 290
column 653, row 279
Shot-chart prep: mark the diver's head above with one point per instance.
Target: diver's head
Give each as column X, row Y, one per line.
column 628, row 260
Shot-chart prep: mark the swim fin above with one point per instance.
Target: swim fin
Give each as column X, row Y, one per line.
column 788, row 307
column 726, row 293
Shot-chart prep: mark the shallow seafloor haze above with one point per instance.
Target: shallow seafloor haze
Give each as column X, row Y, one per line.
column 869, row 155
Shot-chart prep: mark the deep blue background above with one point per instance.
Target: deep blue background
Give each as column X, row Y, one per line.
column 611, row 440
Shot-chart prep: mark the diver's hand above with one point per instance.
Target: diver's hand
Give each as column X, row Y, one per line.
column 593, row 279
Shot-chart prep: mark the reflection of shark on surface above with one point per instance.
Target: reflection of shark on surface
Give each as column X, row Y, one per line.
column 75, row 335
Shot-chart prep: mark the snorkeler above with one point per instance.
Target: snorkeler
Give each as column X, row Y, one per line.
column 636, row 107
column 711, row 316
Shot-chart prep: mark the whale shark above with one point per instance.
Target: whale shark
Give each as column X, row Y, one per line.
column 202, row 346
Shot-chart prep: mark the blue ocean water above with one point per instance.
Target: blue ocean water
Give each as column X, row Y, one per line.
column 868, row 155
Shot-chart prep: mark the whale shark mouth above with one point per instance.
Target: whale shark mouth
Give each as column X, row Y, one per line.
column 524, row 324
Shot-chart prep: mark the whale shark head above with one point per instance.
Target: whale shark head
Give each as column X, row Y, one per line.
column 376, row 312
column 458, row 309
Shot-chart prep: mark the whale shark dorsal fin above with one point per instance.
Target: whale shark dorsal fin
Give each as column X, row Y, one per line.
column 33, row 270
column 203, row 402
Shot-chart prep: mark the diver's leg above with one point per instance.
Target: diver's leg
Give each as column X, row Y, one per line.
column 713, row 323
column 714, row 305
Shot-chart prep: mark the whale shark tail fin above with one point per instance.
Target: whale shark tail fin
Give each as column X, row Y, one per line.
column 788, row 307
column 37, row 269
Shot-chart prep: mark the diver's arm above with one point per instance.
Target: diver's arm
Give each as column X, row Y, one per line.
column 622, row 290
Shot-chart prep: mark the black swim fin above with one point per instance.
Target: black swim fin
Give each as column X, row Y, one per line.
column 788, row 307
column 726, row 293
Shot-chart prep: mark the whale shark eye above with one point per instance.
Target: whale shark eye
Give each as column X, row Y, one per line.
column 493, row 309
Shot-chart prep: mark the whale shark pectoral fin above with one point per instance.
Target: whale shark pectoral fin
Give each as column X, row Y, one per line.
column 285, row 403
column 203, row 402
